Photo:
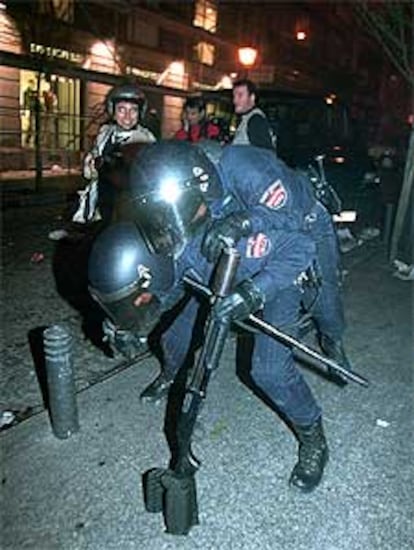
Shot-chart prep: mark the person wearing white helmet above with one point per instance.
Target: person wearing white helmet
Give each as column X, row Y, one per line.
column 125, row 106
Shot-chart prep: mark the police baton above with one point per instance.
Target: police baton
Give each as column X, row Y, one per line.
column 302, row 351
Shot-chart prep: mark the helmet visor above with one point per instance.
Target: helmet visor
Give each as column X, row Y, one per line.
column 138, row 311
column 171, row 185
column 170, row 217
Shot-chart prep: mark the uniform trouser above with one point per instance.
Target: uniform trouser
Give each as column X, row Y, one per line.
column 274, row 369
column 327, row 310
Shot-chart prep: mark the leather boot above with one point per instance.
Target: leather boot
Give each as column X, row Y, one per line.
column 158, row 389
column 313, row 456
column 334, row 349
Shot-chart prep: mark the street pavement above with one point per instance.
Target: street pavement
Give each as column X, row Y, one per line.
column 85, row 492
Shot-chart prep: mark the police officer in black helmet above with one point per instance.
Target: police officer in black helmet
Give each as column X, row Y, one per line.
column 169, row 213
column 179, row 189
column 126, row 277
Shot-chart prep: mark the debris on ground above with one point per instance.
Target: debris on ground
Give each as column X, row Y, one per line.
column 10, row 418
column 58, row 234
column 382, row 423
column 6, row 419
column 37, row 257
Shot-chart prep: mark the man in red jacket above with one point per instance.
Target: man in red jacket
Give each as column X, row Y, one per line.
column 195, row 124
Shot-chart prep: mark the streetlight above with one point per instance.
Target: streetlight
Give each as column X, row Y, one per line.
column 247, row 57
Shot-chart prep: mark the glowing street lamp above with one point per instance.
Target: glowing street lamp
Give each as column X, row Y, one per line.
column 247, row 57
column 300, row 35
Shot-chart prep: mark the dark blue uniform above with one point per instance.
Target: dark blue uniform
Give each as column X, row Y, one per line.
column 277, row 197
column 291, row 230
column 275, row 262
column 273, row 194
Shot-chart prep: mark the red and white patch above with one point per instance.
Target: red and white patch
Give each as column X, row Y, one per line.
column 258, row 246
column 275, row 196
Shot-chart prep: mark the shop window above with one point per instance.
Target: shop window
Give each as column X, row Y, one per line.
column 205, row 15
column 205, row 53
column 57, row 100
column 172, row 109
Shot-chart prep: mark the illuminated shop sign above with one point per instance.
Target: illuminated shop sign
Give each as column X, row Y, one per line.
column 142, row 73
column 57, row 53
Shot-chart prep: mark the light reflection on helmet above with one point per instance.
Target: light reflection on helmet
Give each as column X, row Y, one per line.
column 171, row 185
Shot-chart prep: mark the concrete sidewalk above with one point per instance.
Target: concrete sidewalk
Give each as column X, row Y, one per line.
column 85, row 493
column 19, row 188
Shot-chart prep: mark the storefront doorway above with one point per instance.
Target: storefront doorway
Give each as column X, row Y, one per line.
column 57, row 99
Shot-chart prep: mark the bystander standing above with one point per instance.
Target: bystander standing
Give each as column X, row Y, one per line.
column 253, row 127
column 195, row 124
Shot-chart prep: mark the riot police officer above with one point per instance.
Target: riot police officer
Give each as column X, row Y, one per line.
column 272, row 195
column 176, row 191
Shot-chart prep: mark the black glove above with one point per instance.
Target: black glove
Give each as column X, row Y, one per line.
column 233, row 227
column 245, row 299
column 124, row 342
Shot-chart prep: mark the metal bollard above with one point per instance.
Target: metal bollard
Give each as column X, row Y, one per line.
column 60, row 381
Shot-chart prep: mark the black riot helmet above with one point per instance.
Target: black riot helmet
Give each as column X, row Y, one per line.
column 126, row 92
column 127, row 279
column 211, row 148
column 171, row 186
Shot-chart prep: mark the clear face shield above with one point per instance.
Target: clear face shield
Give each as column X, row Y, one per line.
column 132, row 308
column 127, row 279
column 171, row 185
column 170, row 215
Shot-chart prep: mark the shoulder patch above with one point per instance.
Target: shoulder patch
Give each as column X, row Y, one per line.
column 258, row 246
column 275, row 196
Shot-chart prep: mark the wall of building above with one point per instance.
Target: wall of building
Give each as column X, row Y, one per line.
column 147, row 41
column 9, row 85
column 149, row 49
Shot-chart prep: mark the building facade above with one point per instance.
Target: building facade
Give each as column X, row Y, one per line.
column 58, row 58
column 64, row 56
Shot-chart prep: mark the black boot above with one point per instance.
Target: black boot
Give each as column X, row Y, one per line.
column 313, row 456
column 158, row 389
column 334, row 349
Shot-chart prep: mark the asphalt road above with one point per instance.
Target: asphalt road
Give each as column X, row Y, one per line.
column 85, row 493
